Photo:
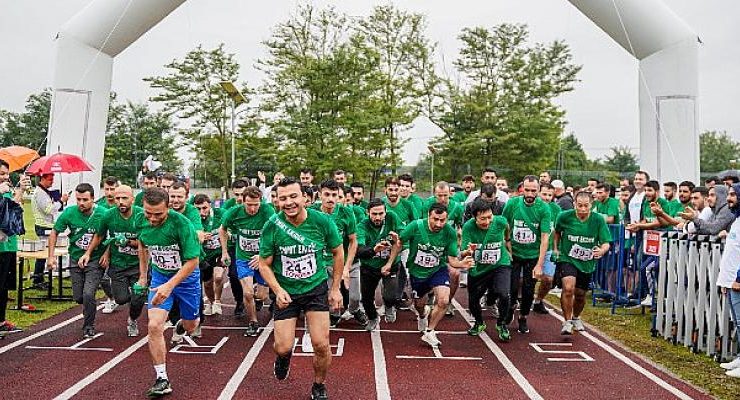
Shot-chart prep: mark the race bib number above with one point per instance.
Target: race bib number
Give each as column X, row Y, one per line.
column 524, row 235
column 249, row 245
column 426, row 260
column 299, row 267
column 212, row 243
column 581, row 253
column 128, row 250
column 384, row 254
column 84, row 241
column 490, row 256
column 168, row 260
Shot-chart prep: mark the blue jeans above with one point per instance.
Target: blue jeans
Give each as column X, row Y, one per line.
column 733, row 298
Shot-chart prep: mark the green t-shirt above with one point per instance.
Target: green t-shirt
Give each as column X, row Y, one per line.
column 527, row 224
column 428, row 251
column 111, row 224
column 608, row 208
column 171, row 244
column 360, row 213
column 193, row 215
column 10, row 245
column 246, row 229
column 578, row 238
column 674, row 207
column 491, row 251
column 404, row 209
column 81, row 230
column 460, row 197
column 103, row 202
column 296, row 251
column 455, row 211
column 417, row 204
column 555, row 210
column 212, row 246
column 344, row 219
column 369, row 235
column 363, row 204
column 139, row 199
column 647, row 213
column 231, row 202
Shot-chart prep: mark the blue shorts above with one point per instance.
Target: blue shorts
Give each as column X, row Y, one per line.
column 548, row 267
column 420, row 287
column 187, row 294
column 243, row 270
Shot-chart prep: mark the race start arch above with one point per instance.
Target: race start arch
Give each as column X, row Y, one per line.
column 666, row 47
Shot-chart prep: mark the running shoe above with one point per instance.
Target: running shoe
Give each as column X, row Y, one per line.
column 360, row 317
column 161, row 387
column 567, row 328
column 523, row 328
column 346, row 315
column 430, row 338
column 477, row 329
column 88, row 332
column 281, row 368
column 207, row 309
column 109, row 306
column 252, row 329
column 503, row 333
column 422, row 323
column 197, row 332
column 390, row 314
column 318, row 392
column 132, row 327
column 450, row 310
column 372, row 324
column 8, row 327
column 540, row 308
column 216, row 308
column 647, row 302
column 734, row 364
column 578, row 324
column 334, row 320
column 177, row 333
column 258, row 304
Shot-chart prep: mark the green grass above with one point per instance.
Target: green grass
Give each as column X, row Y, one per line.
column 633, row 332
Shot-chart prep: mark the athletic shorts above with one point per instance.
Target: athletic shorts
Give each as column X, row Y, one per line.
column 187, row 293
column 317, row 299
column 206, row 267
column 583, row 280
column 548, row 267
column 420, row 286
column 243, row 270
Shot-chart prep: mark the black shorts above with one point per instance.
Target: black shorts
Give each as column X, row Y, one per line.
column 206, row 267
column 8, row 266
column 583, row 280
column 317, row 299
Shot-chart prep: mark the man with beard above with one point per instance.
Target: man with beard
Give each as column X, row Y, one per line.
column 150, row 181
column 406, row 189
column 402, row 207
column 487, row 194
column 699, row 205
column 722, row 217
column 118, row 234
column 105, row 202
column 358, row 195
column 108, row 200
column 488, row 176
column 672, row 216
column 607, row 207
column 378, row 250
column 728, row 278
column 548, row 268
column 530, row 221
column 211, row 265
column 237, row 189
column 468, row 184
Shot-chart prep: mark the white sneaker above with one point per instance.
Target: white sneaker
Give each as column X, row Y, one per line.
column 422, row 323
column 347, row 315
column 207, row 309
column 647, row 302
column 132, row 327
column 567, row 328
column 176, row 337
column 109, row 306
column 197, row 333
column 556, row 290
column 735, row 373
column 450, row 310
column 732, row 364
column 390, row 315
column 578, row 324
column 430, row 338
column 306, row 344
column 216, row 308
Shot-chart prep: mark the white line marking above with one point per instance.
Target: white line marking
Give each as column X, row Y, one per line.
column 77, row 387
column 637, row 367
column 583, row 356
column 76, row 346
column 198, row 349
column 381, row 373
column 249, row 359
column 41, row 333
column 503, row 359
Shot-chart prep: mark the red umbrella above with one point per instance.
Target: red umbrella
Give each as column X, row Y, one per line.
column 59, row 162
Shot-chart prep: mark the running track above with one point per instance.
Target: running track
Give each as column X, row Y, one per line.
column 391, row 363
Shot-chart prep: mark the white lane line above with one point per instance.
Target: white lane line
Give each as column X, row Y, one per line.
column 502, row 358
column 381, row 373
column 67, row 394
column 241, row 372
column 41, row 333
column 637, row 367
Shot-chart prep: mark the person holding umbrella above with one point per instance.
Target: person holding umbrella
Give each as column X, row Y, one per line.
column 46, row 204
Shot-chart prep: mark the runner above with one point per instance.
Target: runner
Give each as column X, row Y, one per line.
column 547, row 193
column 340, row 177
column 488, row 176
column 432, row 241
column 378, row 251
column 117, row 233
column 81, row 221
column 468, row 184
column 168, row 245
column 167, row 180
column 530, row 221
column 485, row 237
column 292, row 263
column 393, row 201
column 406, row 190
column 244, row 223
column 210, row 265
column 581, row 239
column 358, row 195
column 237, row 190
column 107, row 201
column 150, row 181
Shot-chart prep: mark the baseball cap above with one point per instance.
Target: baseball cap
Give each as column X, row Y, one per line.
column 558, row 184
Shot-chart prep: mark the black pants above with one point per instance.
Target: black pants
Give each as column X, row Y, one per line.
column 236, row 286
column 8, row 264
column 498, row 283
column 523, row 268
column 122, row 281
column 369, row 279
column 40, row 266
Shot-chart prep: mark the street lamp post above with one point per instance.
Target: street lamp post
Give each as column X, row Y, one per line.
column 432, row 150
column 237, row 98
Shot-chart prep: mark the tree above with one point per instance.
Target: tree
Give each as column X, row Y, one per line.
column 621, row 159
column 502, row 112
column 716, row 151
column 30, row 127
column 191, row 92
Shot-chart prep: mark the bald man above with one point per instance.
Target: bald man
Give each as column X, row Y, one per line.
column 117, row 234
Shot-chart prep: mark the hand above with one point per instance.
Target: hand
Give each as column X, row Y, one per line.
column 380, row 246
column 225, row 258
column 51, row 263
column 25, row 182
column 597, row 253
column 64, row 198
column 386, row 270
column 335, row 300
column 207, row 236
column 688, row 214
column 104, row 260
column 142, row 282
column 722, row 234
column 282, row 298
column 467, row 262
column 537, row 271
column 633, row 227
column 396, row 238
column 655, row 208
column 261, row 176
column 162, row 292
column 4, row 187
column 254, row 262
column 723, row 290
column 735, row 287
column 82, row 262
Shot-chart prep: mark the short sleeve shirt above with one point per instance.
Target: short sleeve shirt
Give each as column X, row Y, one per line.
column 370, row 235
column 578, row 238
column 428, row 251
column 490, row 245
column 246, row 228
column 527, row 222
column 113, row 224
column 171, row 244
column 81, row 230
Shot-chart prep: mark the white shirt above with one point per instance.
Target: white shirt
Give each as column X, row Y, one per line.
column 730, row 261
column 635, row 206
column 500, row 196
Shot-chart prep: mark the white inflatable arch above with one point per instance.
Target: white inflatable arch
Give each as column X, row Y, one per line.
column 667, row 50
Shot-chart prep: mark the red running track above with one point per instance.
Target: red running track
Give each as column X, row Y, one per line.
column 392, row 363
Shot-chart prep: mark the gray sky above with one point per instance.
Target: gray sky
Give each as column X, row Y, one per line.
column 602, row 111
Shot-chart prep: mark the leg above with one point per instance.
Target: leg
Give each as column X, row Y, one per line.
column 157, row 347
column 567, row 296
column 369, row 282
column 500, row 288
column 454, row 281
column 120, row 285
column 319, row 322
column 390, row 290
column 248, row 290
column 106, row 285
column 93, row 273
column 78, row 281
column 516, row 270
column 218, row 282
column 476, row 290
column 236, row 287
column 284, row 334
column 355, row 288
column 441, row 301
column 528, row 284
column 40, row 265
column 137, row 301
column 579, row 302
column 209, row 291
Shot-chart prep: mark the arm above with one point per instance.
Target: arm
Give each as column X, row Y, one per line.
column 556, row 243
column 82, row 262
column 223, row 237
column 465, row 263
column 544, row 243
column 143, row 264
column 351, row 251
column 507, row 238
column 51, row 260
column 164, row 290
column 335, row 297
column 713, row 227
column 395, row 251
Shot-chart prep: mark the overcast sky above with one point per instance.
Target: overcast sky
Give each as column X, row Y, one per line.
column 602, row 111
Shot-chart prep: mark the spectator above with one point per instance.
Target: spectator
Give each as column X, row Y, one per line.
column 730, row 179
column 729, row 276
column 592, row 182
column 487, row 176
column 562, row 198
column 699, row 204
column 501, row 184
column 711, row 182
column 545, row 177
column 488, row 194
column 625, row 195
column 46, row 205
column 624, row 182
column 722, row 217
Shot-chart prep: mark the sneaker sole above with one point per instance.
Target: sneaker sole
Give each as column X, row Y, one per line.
column 159, row 394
